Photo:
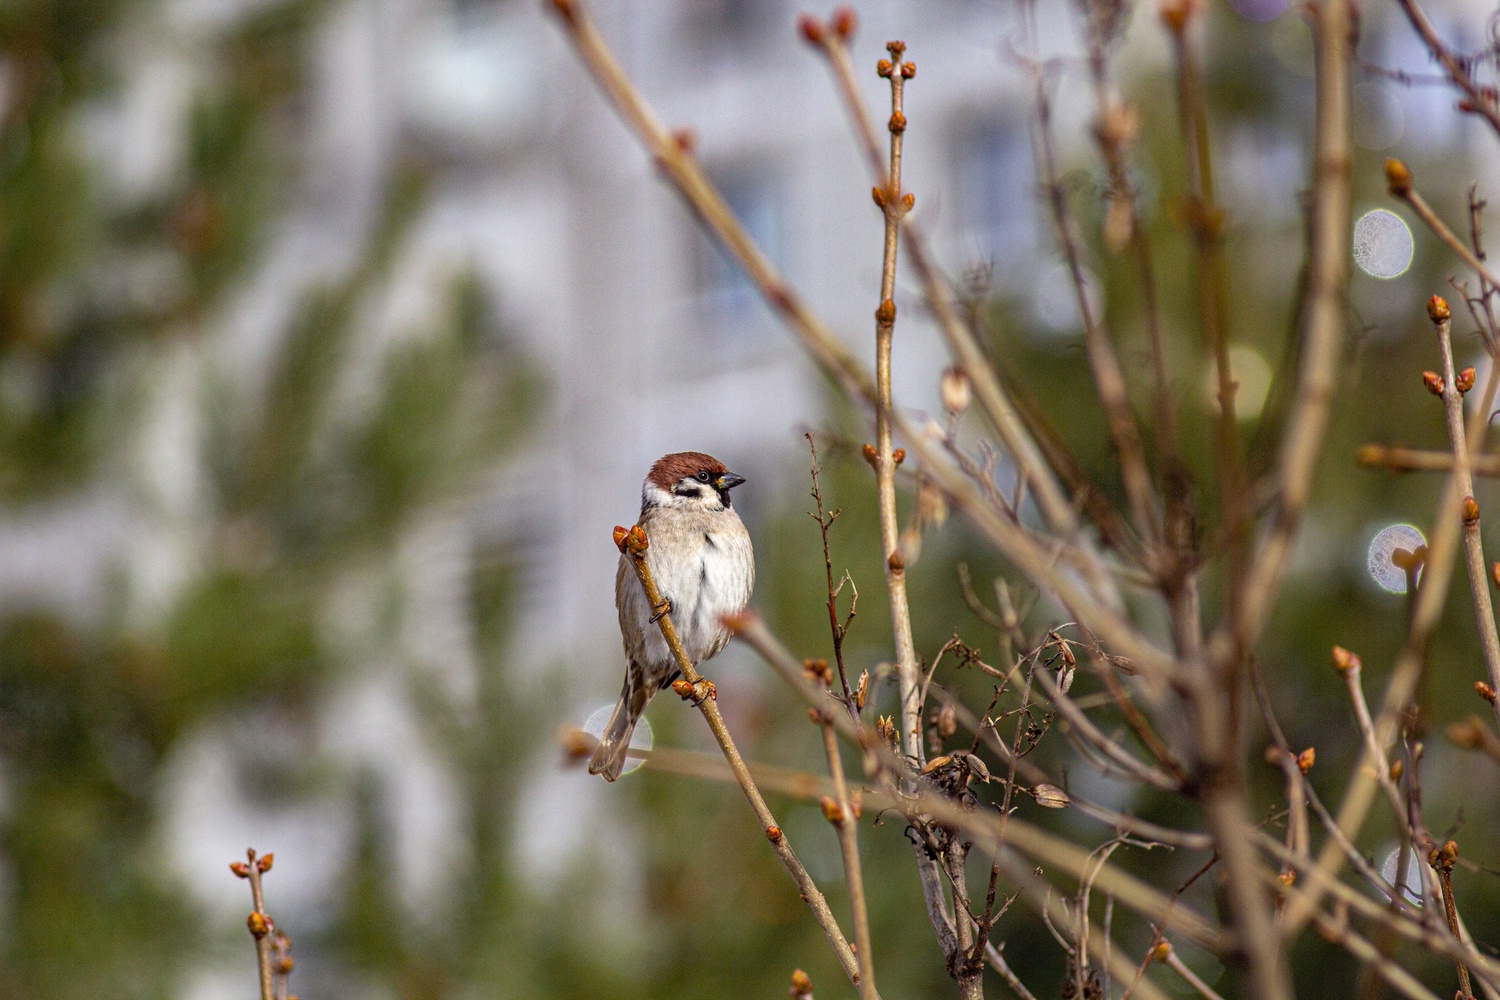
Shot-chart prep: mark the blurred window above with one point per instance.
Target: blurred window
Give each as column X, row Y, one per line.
column 997, row 185
column 729, row 303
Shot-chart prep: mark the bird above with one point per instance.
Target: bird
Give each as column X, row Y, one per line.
column 703, row 564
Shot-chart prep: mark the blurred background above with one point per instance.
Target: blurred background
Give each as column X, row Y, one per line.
column 335, row 336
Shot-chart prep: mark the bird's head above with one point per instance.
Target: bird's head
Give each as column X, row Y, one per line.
column 689, row 480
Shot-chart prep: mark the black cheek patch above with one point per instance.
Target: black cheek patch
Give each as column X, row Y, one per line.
column 687, row 490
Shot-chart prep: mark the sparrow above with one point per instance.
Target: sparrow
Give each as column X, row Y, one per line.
column 701, row 559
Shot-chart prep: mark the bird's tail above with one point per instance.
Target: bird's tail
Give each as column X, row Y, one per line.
column 609, row 755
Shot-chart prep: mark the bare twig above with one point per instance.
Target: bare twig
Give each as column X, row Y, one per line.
column 634, row 544
column 262, row 927
column 1479, row 581
column 1399, row 459
column 1479, row 100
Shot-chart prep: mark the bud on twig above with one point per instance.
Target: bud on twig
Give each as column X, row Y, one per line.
column 886, row 313
column 1161, row 952
column 1464, row 380
column 844, row 23
column 868, row 451
column 899, row 455
column 1485, row 691
column 1397, row 178
column 1434, row 382
column 1344, row 661
column 1398, row 768
column 1437, row 309
column 832, row 811
column 883, row 68
column 1306, row 759
column 240, row 868
column 256, row 921
column 683, row 689
column 265, row 862
column 1471, row 510
column 801, row 986
column 773, row 834
column 908, row 69
column 813, row 30
column 861, row 690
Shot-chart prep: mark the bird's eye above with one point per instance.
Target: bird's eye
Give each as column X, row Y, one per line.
column 703, row 477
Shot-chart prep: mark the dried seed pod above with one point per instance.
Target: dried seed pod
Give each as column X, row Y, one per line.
column 1050, row 796
column 947, row 721
column 861, row 690
column 957, row 391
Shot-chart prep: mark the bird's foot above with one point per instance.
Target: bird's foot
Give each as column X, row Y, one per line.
column 661, row 610
column 695, row 693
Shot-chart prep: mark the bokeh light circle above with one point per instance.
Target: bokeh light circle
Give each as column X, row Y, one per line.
column 1383, row 245
column 641, row 739
column 1385, row 548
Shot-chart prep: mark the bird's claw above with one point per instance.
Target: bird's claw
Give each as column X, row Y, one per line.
column 695, row 693
column 661, row 610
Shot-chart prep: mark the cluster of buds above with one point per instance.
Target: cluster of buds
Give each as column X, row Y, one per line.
column 840, row 27
column 817, row 671
column 1345, row 661
column 631, row 540
column 1442, row 858
column 873, row 457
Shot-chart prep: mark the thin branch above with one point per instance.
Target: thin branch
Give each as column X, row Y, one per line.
column 1477, row 99
column 845, row 819
column 701, row 692
column 1479, row 578
column 1400, row 459
column 261, row 926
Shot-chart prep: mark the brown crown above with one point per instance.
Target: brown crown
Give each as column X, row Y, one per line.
column 669, row 470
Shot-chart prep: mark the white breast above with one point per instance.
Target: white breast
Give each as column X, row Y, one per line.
column 705, row 566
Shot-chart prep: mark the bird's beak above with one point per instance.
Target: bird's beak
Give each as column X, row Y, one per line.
column 728, row 481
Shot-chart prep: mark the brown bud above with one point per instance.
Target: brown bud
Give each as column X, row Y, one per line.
column 801, row 985
column 683, row 689
column 265, row 863
column 636, row 541
column 1485, row 691
column 897, row 562
column 909, row 69
column 887, row 312
column 817, row 670
column 240, row 868
column 1306, row 759
column 1161, row 952
column 899, row 455
column 576, row 744
column 1464, row 381
column 1495, row 573
column 844, row 23
column 773, row 834
column 868, row 451
column 256, row 921
column 1175, row 14
column 285, row 965
column 861, row 690
column 1397, row 177
column 1437, row 309
column 1434, row 382
column 620, row 534
column 895, row 47
column 832, row 811
column 883, row 68
column 1471, row 510
column 1466, row 734
column 1344, row 661
column 1398, row 768
column 908, row 201
column 897, row 122
column 813, row 30
column 1287, row 878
